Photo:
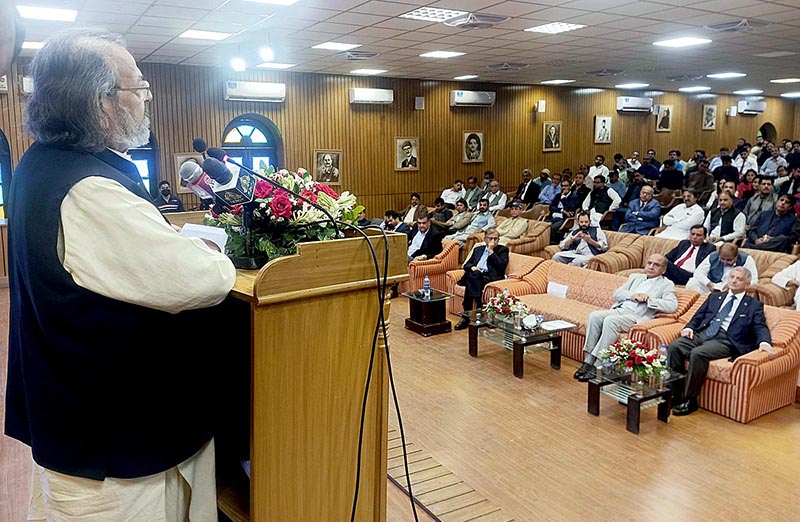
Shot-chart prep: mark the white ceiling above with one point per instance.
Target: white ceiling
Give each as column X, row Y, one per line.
column 619, row 36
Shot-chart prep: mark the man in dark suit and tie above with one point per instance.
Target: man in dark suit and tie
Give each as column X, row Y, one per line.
column 427, row 242
column 728, row 324
column 684, row 258
column 527, row 191
column 487, row 263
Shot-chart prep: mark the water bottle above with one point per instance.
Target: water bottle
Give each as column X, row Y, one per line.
column 426, row 287
column 662, row 353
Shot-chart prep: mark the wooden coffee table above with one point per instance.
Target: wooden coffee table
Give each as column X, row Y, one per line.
column 428, row 316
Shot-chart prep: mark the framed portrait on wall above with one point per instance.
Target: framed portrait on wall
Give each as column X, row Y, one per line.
column 472, row 147
column 552, row 136
column 709, row 117
column 406, row 153
column 327, row 166
column 664, row 118
column 178, row 185
column 602, row 128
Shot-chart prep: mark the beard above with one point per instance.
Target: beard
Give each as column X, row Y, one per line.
column 129, row 133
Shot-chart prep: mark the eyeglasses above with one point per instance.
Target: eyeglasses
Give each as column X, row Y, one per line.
column 142, row 91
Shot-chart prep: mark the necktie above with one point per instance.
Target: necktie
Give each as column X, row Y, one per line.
column 685, row 258
column 716, row 324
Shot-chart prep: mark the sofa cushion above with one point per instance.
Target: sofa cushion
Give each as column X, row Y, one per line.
column 559, row 308
column 769, row 263
column 720, row 370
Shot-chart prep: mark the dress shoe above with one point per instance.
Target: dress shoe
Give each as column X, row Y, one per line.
column 462, row 324
column 586, row 376
column 685, row 408
column 580, row 371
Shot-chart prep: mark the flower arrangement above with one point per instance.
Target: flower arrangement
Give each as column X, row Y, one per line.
column 634, row 357
column 507, row 305
column 280, row 220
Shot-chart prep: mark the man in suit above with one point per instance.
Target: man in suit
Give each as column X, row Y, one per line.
column 764, row 199
column 562, row 208
column 774, row 230
column 643, row 214
column 528, row 190
column 728, row 324
column 393, row 223
column 638, row 300
column 426, row 243
column 487, row 263
column 474, row 193
column 687, row 256
column 410, row 161
column 409, row 214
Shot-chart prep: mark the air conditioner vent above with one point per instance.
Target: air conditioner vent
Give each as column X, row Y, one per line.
column 357, row 55
column 476, row 21
column 605, row 72
column 739, row 26
column 507, row 66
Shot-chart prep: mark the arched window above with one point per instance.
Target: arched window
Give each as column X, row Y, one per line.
column 5, row 168
column 251, row 138
column 145, row 158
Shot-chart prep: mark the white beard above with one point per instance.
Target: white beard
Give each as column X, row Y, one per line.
column 129, row 134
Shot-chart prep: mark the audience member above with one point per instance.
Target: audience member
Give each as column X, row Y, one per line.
column 770, row 166
column 481, row 221
column 714, row 334
column 722, row 186
column 725, row 223
column 643, row 214
column 789, row 184
column 579, row 186
column 440, row 215
column 744, row 161
column 670, row 178
column 487, row 263
column 763, row 200
column 713, row 272
column 692, row 164
column 775, row 230
column 488, row 176
column 474, row 192
column 677, row 163
column 616, row 184
column 639, row 299
column 598, row 169
column 716, row 161
column 789, row 278
column 551, row 190
column 746, row 187
column 601, row 200
column 166, row 202
column 497, row 198
column 513, row 227
column 544, row 178
column 460, row 220
column 362, row 220
column 631, row 194
column 793, row 157
column 621, row 167
column 684, row 258
column 426, row 243
column 740, row 144
column 633, row 161
column 451, row 195
column 528, row 190
column 701, row 180
column 650, row 169
column 727, row 171
column 409, row 214
column 562, row 208
column 392, row 223
column 651, row 153
column 583, row 243
column 682, row 217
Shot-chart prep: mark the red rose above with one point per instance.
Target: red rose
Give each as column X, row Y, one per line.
column 281, row 205
column 236, row 210
column 214, row 213
column 639, row 360
column 629, row 364
column 309, row 195
column 321, row 187
column 651, row 358
column 263, row 189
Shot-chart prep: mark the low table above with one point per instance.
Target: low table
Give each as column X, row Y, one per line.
column 618, row 387
column 428, row 316
column 518, row 337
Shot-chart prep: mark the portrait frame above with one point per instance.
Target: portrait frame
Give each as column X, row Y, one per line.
column 664, row 118
column 554, row 143
column 336, row 156
column 466, row 136
column 599, row 119
column 708, row 124
column 400, row 156
column 178, row 185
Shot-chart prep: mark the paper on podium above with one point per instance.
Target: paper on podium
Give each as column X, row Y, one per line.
column 214, row 234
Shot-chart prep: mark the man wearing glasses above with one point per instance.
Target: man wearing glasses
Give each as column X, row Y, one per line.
column 118, row 420
column 487, row 263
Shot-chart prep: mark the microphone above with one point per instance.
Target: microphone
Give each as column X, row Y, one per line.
column 196, row 180
column 200, row 145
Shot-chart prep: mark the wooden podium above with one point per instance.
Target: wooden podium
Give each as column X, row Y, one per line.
column 312, row 318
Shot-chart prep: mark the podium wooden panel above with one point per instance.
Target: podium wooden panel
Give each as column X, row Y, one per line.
column 312, row 321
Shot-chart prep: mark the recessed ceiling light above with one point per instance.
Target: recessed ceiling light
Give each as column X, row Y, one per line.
column 204, row 35
column 441, row 54
column 775, row 54
column 238, row 64
column 47, row 13
column 556, row 82
column 554, row 28
column 686, row 41
column 726, row 75
column 432, row 14
column 632, row 85
column 696, row 88
column 745, row 92
column 275, row 2
column 785, row 80
column 336, row 46
column 266, row 54
column 274, row 65
column 368, row 72
column 32, row 45
column 791, row 95
column 466, row 77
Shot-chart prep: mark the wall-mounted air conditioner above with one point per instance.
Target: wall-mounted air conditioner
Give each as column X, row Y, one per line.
column 633, row 104
column 751, row 107
column 255, row 91
column 472, row 98
column 379, row 96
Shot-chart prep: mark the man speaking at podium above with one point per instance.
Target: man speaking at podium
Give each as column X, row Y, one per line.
column 116, row 413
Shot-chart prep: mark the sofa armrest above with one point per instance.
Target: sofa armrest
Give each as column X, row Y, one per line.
column 550, row 251
column 638, row 332
column 455, row 275
column 610, row 263
column 771, row 294
column 517, row 287
column 763, row 366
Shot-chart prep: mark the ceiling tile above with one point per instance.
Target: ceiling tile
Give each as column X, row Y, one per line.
column 357, row 18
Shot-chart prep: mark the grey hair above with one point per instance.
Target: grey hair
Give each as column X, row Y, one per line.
column 747, row 274
column 71, row 74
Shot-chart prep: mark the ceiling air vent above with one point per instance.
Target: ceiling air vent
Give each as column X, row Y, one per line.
column 736, row 26
column 357, row 55
column 685, row 78
column 506, row 66
column 605, row 72
column 561, row 62
column 475, row 21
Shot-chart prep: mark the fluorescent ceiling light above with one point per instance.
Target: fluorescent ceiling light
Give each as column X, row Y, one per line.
column 47, row 13
column 335, row 46
column 274, row 65
column 632, row 85
column 368, row 72
column 745, row 92
column 466, row 77
column 785, row 80
column 554, row 28
column 791, row 95
column 204, row 35
column 556, row 82
column 726, row 75
column 275, row 2
column 32, row 45
column 775, row 54
column 696, row 88
column 441, row 54
column 238, row 64
column 266, row 54
column 432, row 14
column 686, row 41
